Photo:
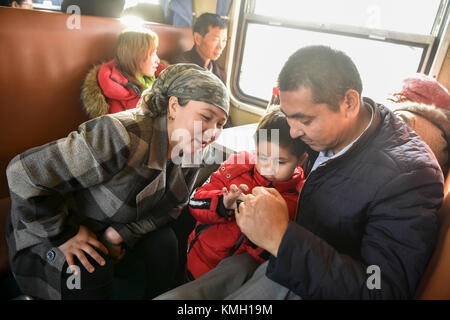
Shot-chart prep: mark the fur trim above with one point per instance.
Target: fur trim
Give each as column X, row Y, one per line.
column 437, row 136
column 438, row 116
column 92, row 98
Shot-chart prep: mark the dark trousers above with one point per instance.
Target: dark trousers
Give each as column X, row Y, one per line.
column 146, row 271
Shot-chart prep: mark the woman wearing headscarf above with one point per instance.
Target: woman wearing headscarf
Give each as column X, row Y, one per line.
column 117, row 85
column 108, row 190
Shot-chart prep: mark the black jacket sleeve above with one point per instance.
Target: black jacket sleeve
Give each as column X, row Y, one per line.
column 399, row 238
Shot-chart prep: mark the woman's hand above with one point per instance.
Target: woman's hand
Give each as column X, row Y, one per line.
column 230, row 197
column 113, row 242
column 83, row 242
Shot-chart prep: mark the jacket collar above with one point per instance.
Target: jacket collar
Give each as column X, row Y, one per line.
column 369, row 132
column 197, row 59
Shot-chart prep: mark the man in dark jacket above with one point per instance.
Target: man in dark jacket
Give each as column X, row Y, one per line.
column 366, row 219
column 210, row 38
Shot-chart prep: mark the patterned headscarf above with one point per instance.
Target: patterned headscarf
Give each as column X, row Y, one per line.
column 184, row 81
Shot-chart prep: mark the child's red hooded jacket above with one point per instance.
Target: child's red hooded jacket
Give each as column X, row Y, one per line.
column 106, row 90
column 216, row 234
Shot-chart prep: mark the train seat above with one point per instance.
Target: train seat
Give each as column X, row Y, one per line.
column 435, row 282
column 42, row 66
column 44, row 60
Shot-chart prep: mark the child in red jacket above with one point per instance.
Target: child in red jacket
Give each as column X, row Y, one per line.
column 117, row 85
column 276, row 164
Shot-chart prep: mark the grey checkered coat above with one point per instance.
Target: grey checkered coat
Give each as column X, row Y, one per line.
column 111, row 172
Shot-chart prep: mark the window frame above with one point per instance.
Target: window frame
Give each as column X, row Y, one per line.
column 435, row 45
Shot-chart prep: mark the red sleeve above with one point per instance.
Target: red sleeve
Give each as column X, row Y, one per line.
column 203, row 204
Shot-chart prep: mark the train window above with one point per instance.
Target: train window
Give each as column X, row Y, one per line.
column 52, row 5
column 388, row 40
column 379, row 14
column 133, row 3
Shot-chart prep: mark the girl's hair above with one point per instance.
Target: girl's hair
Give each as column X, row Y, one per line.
column 276, row 120
column 132, row 49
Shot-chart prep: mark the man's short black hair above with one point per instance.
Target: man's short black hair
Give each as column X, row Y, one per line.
column 207, row 20
column 328, row 72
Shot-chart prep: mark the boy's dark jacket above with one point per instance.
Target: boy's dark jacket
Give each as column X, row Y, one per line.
column 376, row 206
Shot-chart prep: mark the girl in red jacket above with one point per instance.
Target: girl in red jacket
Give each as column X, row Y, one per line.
column 276, row 164
column 117, row 84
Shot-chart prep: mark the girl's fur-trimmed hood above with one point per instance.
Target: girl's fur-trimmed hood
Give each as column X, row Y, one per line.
column 92, row 98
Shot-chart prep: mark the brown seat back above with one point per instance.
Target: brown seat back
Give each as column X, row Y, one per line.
column 435, row 283
column 42, row 66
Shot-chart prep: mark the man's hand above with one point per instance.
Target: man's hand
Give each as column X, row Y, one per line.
column 83, row 242
column 263, row 217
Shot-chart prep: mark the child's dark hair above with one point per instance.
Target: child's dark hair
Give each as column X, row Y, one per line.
column 275, row 119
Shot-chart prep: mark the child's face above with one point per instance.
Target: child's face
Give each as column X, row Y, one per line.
column 274, row 162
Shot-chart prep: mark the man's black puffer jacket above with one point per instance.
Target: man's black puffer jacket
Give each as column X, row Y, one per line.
column 374, row 205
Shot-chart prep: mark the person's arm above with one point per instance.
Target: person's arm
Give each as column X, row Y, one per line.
column 206, row 206
column 39, row 178
column 131, row 233
column 399, row 238
column 213, row 202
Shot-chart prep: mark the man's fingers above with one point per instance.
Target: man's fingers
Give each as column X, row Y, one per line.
column 265, row 191
column 247, row 197
column 234, row 188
